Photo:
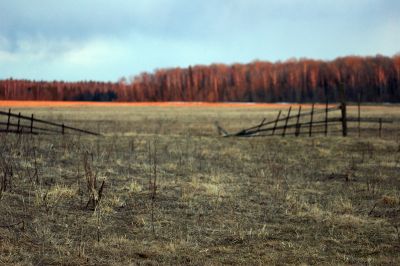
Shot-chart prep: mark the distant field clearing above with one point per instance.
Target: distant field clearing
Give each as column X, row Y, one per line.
column 164, row 104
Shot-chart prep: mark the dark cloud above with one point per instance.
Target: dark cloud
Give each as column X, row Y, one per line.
column 85, row 19
column 67, row 38
column 194, row 19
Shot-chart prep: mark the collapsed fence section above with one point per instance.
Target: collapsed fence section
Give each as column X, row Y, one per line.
column 22, row 124
column 316, row 121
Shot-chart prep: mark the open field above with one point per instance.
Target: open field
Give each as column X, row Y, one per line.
column 27, row 104
column 177, row 193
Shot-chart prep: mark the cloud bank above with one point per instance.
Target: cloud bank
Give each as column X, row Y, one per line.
column 104, row 40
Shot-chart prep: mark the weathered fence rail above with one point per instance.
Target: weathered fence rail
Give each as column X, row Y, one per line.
column 22, row 124
column 316, row 121
column 306, row 122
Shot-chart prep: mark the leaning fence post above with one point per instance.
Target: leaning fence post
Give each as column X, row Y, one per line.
column 286, row 121
column 8, row 120
column 380, row 127
column 298, row 123
column 326, row 117
column 18, row 125
column 311, row 120
column 276, row 122
column 261, row 124
column 32, row 124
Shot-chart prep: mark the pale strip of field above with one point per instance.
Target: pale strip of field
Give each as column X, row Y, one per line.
column 30, row 104
column 134, row 104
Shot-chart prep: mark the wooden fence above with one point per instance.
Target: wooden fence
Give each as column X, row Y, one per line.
column 21, row 124
column 330, row 119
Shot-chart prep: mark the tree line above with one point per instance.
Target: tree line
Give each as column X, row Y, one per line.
column 375, row 79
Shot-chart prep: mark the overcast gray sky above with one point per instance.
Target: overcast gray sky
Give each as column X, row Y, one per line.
column 105, row 40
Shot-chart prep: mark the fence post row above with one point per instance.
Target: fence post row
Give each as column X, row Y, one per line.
column 322, row 122
column 30, row 128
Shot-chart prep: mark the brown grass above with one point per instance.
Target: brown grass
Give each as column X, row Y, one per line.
column 176, row 193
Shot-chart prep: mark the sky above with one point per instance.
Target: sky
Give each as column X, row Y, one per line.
column 105, row 40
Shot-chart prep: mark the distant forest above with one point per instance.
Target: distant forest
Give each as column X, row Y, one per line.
column 376, row 79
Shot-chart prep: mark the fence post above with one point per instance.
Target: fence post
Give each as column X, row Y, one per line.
column 19, row 123
column 8, row 120
column 297, row 133
column 359, row 115
column 32, row 124
column 62, row 129
column 326, row 117
column 311, row 120
column 380, row 127
column 261, row 124
column 342, row 94
column 276, row 122
column 286, row 121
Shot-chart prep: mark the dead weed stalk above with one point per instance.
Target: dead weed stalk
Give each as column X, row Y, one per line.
column 95, row 192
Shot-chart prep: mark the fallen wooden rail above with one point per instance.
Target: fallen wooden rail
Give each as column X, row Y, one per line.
column 284, row 123
column 52, row 127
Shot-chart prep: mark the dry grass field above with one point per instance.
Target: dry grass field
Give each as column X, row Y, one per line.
column 176, row 193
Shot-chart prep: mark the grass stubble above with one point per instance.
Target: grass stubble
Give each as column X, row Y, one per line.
column 161, row 187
